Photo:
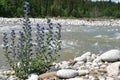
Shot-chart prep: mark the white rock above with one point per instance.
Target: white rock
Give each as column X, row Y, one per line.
column 8, row 72
column 12, row 78
column 64, row 64
column 118, row 77
column 112, row 55
column 96, row 67
column 33, row 77
column 110, row 78
column 93, row 56
column 76, row 79
column 101, row 78
column 12, row 72
column 91, row 78
column 78, row 64
column 82, row 67
column 3, row 77
column 66, row 73
column 84, row 57
column 100, row 63
column 103, row 66
column 94, row 64
column 89, row 63
column 113, row 69
column 82, row 72
column 98, row 59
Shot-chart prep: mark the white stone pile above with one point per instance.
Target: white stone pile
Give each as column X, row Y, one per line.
column 82, row 22
column 88, row 66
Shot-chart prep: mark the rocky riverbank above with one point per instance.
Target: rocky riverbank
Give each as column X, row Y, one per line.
column 88, row 66
column 83, row 22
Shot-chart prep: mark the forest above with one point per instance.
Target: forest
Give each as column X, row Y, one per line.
column 61, row 8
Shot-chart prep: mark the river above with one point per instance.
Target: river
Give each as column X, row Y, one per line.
column 77, row 40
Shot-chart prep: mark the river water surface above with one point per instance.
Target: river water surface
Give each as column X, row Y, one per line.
column 77, row 40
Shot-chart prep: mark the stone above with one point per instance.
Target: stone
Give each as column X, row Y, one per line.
column 47, row 75
column 12, row 78
column 33, row 77
column 94, row 64
column 100, row 63
column 82, row 72
column 88, row 63
column 110, row 78
column 75, row 79
column 3, row 77
column 53, row 69
column 103, row 66
column 102, row 70
column 12, row 72
column 8, row 72
column 64, row 64
column 78, row 64
column 84, row 57
column 93, row 56
column 118, row 77
column 96, row 67
column 91, row 78
column 111, row 55
column 66, row 73
column 72, row 62
column 101, row 78
column 83, row 67
column 98, row 59
column 113, row 69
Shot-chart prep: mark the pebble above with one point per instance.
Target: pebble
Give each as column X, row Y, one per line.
column 84, row 57
column 64, row 64
column 82, row 72
column 75, row 79
column 66, row 73
column 109, row 78
column 3, row 77
column 14, row 78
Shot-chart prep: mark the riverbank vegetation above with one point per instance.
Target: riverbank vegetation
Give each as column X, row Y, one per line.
column 27, row 54
column 61, row 8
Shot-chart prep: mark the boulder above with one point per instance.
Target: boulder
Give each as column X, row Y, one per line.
column 112, row 55
column 66, row 73
column 113, row 69
column 84, row 57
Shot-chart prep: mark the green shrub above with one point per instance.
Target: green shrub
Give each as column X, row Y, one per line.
column 28, row 54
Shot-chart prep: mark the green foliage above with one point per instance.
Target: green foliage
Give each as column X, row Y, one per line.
column 62, row 8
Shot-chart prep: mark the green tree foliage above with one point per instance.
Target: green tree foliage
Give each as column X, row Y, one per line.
column 62, row 8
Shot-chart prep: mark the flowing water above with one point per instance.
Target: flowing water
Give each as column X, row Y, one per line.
column 77, row 40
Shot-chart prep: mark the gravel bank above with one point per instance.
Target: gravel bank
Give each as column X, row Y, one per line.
column 83, row 22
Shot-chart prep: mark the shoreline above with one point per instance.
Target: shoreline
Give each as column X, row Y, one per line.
column 88, row 66
column 81, row 22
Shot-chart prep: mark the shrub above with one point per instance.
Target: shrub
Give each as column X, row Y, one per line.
column 32, row 53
